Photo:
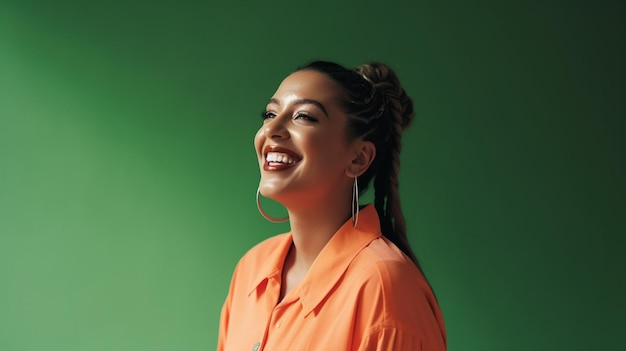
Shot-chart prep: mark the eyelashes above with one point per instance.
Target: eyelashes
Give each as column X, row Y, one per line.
column 266, row 114
column 298, row 116
column 308, row 118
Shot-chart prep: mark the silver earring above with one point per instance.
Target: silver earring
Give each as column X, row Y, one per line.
column 264, row 214
column 355, row 203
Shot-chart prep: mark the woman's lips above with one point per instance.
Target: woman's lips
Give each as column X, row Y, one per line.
column 279, row 158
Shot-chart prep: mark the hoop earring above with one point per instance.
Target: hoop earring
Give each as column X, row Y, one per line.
column 264, row 214
column 355, row 203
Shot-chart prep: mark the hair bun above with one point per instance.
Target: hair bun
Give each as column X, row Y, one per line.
column 387, row 84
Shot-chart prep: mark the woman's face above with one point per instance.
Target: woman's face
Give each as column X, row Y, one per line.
column 302, row 147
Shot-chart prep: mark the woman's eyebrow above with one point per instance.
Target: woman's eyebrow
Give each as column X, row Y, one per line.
column 302, row 102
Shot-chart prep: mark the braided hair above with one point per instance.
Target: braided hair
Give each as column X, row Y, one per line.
column 379, row 111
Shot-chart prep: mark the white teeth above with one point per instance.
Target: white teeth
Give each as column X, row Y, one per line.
column 279, row 158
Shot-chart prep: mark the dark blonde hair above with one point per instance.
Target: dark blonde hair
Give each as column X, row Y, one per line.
column 379, row 111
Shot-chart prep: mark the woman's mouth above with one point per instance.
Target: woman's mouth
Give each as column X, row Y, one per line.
column 278, row 158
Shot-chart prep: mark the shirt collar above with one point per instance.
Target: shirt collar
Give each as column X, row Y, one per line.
column 336, row 256
column 274, row 264
column 330, row 264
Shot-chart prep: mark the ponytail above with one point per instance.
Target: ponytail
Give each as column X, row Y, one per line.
column 397, row 115
column 379, row 111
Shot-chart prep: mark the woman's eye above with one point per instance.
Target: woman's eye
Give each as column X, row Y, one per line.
column 305, row 117
column 266, row 115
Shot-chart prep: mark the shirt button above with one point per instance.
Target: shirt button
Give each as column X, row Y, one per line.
column 256, row 346
column 278, row 325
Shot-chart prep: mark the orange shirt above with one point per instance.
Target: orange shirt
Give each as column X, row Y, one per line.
column 361, row 293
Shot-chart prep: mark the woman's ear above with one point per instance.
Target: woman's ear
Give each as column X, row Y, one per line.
column 364, row 154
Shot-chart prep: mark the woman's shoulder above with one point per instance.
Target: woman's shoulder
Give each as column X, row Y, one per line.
column 382, row 253
column 384, row 265
column 266, row 249
column 270, row 244
column 395, row 291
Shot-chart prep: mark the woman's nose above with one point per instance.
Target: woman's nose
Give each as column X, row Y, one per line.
column 275, row 128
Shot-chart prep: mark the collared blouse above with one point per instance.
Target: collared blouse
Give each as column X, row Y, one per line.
column 361, row 293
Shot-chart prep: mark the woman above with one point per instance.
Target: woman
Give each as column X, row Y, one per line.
column 344, row 277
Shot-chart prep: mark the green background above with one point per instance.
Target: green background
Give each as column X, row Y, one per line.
column 127, row 172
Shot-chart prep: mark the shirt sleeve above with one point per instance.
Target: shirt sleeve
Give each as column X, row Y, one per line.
column 394, row 339
column 223, row 326
column 391, row 339
column 225, row 314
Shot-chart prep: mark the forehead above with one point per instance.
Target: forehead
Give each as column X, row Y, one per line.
column 309, row 84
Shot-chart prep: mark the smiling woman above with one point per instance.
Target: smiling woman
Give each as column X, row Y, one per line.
column 344, row 277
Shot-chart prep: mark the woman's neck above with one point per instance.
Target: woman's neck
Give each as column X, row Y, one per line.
column 313, row 226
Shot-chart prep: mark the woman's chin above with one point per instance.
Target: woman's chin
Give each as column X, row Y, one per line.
column 270, row 190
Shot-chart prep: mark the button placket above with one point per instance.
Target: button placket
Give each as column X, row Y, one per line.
column 276, row 319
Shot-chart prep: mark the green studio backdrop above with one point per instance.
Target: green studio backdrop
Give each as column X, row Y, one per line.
column 127, row 172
